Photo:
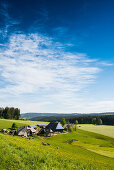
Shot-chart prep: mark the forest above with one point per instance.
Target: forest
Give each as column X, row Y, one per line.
column 10, row 113
column 85, row 119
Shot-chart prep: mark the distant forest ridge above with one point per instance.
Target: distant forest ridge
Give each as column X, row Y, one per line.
column 107, row 117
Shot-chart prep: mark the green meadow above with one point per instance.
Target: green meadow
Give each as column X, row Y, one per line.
column 81, row 150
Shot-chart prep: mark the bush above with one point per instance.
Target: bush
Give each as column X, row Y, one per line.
column 94, row 121
column 14, row 126
column 99, row 122
column 70, row 129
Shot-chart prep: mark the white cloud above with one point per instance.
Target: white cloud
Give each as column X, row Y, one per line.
column 33, row 64
column 99, row 106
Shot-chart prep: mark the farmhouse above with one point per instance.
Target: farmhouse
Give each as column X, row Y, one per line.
column 22, row 131
column 26, row 130
column 51, row 129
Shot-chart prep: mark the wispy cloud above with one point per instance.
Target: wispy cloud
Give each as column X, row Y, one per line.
column 7, row 20
column 106, row 64
column 34, row 64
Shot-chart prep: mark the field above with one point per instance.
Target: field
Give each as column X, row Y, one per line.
column 6, row 124
column 101, row 129
column 77, row 150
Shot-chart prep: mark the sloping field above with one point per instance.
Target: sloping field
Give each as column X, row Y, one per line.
column 21, row 153
column 80, row 150
column 101, row 129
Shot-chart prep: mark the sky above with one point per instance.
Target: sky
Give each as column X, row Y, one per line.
column 57, row 56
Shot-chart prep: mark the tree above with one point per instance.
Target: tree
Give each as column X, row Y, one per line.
column 9, row 113
column 5, row 113
column 63, row 121
column 12, row 109
column 1, row 112
column 70, row 129
column 94, row 121
column 99, row 122
column 76, row 122
column 14, row 126
column 16, row 113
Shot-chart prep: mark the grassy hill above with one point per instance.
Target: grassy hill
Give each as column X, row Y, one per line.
column 107, row 118
column 77, row 150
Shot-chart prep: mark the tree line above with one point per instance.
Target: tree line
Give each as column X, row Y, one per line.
column 10, row 113
column 99, row 119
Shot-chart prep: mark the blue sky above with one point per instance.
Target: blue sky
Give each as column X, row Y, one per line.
column 57, row 56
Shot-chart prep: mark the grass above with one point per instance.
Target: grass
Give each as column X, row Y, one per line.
column 6, row 123
column 101, row 129
column 90, row 151
column 87, row 140
column 19, row 153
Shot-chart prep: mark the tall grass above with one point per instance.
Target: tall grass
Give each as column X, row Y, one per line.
column 19, row 153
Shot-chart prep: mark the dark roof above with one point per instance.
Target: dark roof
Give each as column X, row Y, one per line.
column 42, row 131
column 21, row 128
column 54, row 126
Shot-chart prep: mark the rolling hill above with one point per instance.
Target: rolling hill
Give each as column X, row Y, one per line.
column 57, row 116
